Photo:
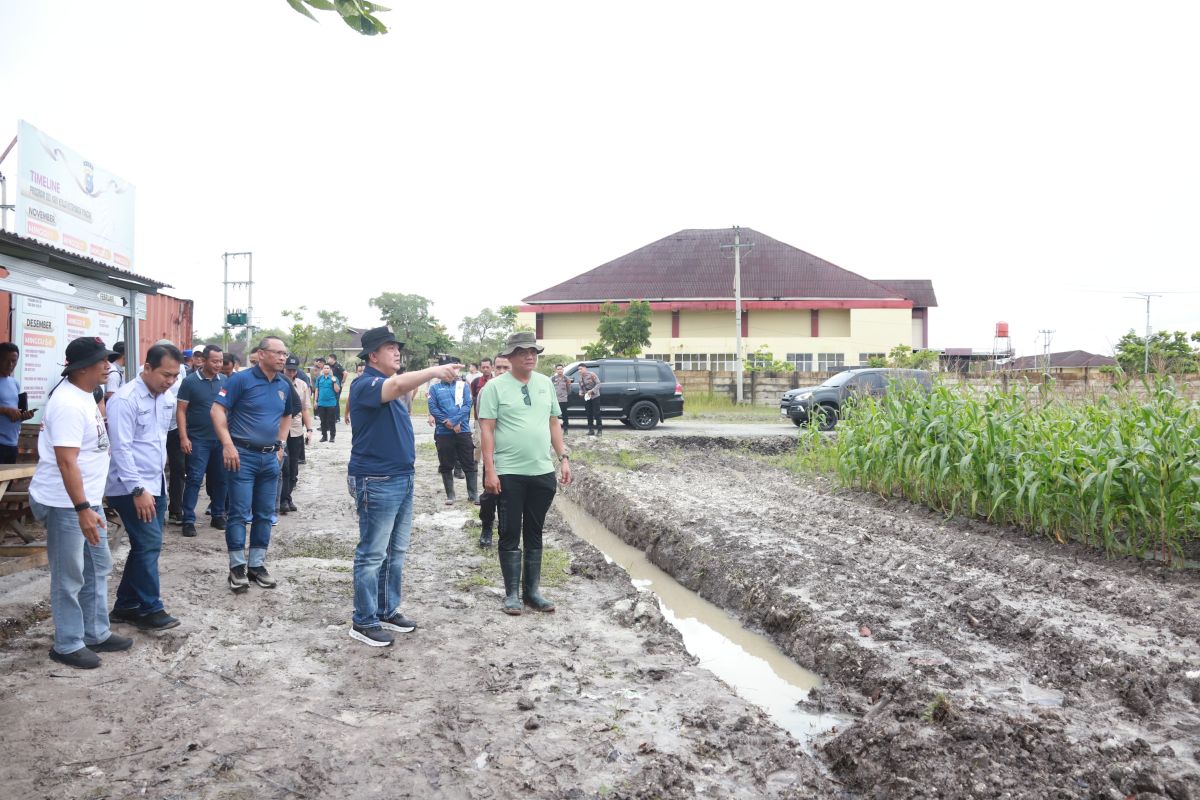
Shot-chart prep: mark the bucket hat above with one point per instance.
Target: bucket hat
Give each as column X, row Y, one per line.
column 376, row 338
column 520, row 339
column 85, row 351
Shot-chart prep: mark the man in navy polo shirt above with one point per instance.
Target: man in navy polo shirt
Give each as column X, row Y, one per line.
column 251, row 415
column 382, row 453
column 198, row 438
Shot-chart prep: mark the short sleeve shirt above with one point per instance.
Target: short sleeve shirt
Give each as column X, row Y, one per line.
column 199, row 393
column 71, row 418
column 381, row 441
column 10, row 392
column 115, row 379
column 256, row 405
column 522, row 430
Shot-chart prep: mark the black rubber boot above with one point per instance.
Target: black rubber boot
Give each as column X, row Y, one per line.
column 510, row 566
column 448, row 484
column 485, row 537
column 532, row 579
column 473, row 487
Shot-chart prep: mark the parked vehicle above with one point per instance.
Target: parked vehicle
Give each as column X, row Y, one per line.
column 825, row 402
column 637, row 391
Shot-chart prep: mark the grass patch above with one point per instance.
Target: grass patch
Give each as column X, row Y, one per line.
column 324, row 547
column 709, row 406
column 624, row 458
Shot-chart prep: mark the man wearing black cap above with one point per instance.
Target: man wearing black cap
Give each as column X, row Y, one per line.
column 518, row 418
column 115, row 378
column 382, row 455
column 65, row 495
column 252, row 414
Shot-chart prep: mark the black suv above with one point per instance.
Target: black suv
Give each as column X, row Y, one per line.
column 831, row 395
column 637, row 391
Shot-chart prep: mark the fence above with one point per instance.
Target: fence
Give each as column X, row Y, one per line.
column 765, row 388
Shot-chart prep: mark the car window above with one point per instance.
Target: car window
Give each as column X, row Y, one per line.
column 647, row 373
column 616, row 373
column 870, row 381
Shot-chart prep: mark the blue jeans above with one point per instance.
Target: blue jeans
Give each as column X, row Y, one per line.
column 251, row 502
column 205, row 460
column 138, row 589
column 78, row 579
column 385, row 512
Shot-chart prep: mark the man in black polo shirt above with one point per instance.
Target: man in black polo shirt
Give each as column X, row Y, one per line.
column 252, row 414
column 382, row 454
column 198, row 438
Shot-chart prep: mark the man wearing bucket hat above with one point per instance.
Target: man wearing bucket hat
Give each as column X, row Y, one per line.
column 518, row 416
column 380, row 477
column 65, row 495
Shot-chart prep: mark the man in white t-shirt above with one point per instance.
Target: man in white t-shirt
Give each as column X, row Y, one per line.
column 65, row 494
column 115, row 377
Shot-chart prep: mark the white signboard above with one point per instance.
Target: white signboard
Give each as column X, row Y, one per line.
column 42, row 329
column 65, row 200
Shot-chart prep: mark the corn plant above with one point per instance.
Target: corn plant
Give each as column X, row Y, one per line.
column 1119, row 474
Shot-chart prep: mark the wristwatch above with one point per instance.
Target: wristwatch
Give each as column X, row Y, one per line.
column 138, row 491
column 565, row 457
column 82, row 506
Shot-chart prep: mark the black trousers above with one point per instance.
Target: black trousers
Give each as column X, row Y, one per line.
column 487, row 509
column 328, row 416
column 291, row 468
column 593, row 413
column 8, row 454
column 177, row 471
column 455, row 450
column 562, row 414
column 524, row 501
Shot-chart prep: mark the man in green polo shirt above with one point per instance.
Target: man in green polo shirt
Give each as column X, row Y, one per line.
column 520, row 432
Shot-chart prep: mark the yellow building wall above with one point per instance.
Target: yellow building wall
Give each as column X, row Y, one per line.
column 846, row 331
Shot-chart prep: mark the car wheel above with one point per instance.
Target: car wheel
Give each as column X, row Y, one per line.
column 799, row 423
column 643, row 415
column 827, row 416
column 627, row 423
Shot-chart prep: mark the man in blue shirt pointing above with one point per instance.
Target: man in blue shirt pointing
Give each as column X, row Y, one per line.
column 382, row 454
column 251, row 415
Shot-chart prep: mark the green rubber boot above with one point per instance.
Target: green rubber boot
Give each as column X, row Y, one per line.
column 510, row 566
column 532, row 579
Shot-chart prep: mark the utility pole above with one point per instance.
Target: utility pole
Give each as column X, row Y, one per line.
column 239, row 318
column 737, row 300
column 1146, row 356
column 1046, row 338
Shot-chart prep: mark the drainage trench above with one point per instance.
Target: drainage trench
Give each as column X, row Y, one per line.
column 750, row 663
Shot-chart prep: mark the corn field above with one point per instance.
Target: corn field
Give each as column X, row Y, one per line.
column 1119, row 474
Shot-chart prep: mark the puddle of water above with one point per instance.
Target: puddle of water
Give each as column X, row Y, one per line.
column 756, row 669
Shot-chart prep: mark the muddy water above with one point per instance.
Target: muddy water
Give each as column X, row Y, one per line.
column 756, row 669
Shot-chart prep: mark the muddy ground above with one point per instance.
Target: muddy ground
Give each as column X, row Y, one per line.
column 265, row 696
column 979, row 662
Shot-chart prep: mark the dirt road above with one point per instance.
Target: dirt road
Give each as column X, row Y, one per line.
column 265, row 696
column 980, row 663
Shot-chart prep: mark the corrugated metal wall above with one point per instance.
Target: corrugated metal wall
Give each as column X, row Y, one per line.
column 167, row 317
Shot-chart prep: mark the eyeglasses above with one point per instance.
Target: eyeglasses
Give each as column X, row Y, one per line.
column 525, row 393
column 282, row 353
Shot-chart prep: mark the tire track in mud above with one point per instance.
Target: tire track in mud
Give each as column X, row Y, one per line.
column 1064, row 674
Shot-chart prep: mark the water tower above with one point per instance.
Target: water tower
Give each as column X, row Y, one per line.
column 1001, row 343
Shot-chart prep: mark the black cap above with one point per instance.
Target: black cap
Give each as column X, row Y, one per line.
column 117, row 351
column 444, row 360
column 85, row 351
column 376, row 338
column 291, row 363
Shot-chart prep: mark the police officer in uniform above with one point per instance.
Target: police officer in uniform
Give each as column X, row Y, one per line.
column 252, row 415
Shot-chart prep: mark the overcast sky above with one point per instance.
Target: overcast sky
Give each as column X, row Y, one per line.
column 1038, row 161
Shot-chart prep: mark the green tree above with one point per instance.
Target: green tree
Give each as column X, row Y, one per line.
column 1169, row 353
column 596, row 350
column 358, row 14
column 763, row 360
column 904, row 357
column 331, row 333
column 624, row 332
column 483, row 334
column 302, row 336
column 409, row 317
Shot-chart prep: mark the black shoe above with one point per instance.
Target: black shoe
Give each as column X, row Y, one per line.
column 599, row 431
column 591, row 433
column 324, row 438
column 80, row 659
column 238, row 580
column 123, row 615
column 399, row 623
column 175, row 518
column 260, row 576
column 218, row 523
column 485, row 537
column 375, row 637
column 115, row 643
column 156, row 621
column 282, row 508
column 189, row 529
column 291, row 506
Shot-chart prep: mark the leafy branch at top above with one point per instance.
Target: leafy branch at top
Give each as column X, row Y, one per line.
column 358, row 14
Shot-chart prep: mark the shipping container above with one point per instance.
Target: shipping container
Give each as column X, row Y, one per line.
column 167, row 317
